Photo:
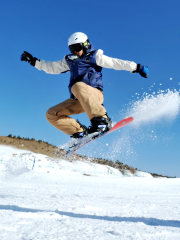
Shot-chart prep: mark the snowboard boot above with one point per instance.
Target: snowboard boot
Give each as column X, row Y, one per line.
column 82, row 132
column 100, row 125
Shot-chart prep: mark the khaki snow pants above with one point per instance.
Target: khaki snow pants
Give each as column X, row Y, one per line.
column 89, row 100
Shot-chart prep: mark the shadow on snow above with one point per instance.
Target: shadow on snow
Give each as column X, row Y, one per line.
column 147, row 221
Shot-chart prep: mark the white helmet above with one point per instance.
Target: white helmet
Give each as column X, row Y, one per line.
column 78, row 41
column 77, row 37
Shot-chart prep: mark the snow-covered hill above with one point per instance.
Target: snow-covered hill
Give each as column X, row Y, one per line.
column 81, row 200
column 18, row 160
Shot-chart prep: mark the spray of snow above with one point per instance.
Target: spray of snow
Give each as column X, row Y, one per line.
column 153, row 108
column 147, row 111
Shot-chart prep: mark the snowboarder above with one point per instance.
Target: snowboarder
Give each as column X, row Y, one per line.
column 86, row 88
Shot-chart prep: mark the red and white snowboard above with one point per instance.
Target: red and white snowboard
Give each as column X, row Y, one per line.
column 86, row 140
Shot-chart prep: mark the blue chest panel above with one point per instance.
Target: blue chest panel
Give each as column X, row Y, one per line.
column 84, row 69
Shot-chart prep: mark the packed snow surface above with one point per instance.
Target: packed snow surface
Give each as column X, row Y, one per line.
column 61, row 201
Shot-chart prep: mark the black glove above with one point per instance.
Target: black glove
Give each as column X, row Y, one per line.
column 28, row 58
column 142, row 70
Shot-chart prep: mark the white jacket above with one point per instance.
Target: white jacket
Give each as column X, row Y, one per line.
column 101, row 60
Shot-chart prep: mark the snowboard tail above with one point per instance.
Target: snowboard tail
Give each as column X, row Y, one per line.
column 88, row 139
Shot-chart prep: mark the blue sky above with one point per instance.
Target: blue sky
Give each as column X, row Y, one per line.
column 145, row 32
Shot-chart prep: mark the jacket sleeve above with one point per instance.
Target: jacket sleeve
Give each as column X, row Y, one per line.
column 117, row 64
column 53, row 67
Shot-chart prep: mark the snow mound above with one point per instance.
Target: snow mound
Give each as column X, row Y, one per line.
column 142, row 174
column 16, row 162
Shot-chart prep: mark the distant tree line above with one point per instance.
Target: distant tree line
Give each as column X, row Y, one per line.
column 28, row 139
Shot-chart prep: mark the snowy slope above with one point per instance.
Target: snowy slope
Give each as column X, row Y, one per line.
column 56, row 201
column 25, row 159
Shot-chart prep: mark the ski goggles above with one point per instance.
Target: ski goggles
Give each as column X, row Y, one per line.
column 76, row 47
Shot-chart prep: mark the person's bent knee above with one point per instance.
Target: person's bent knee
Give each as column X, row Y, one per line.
column 50, row 114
